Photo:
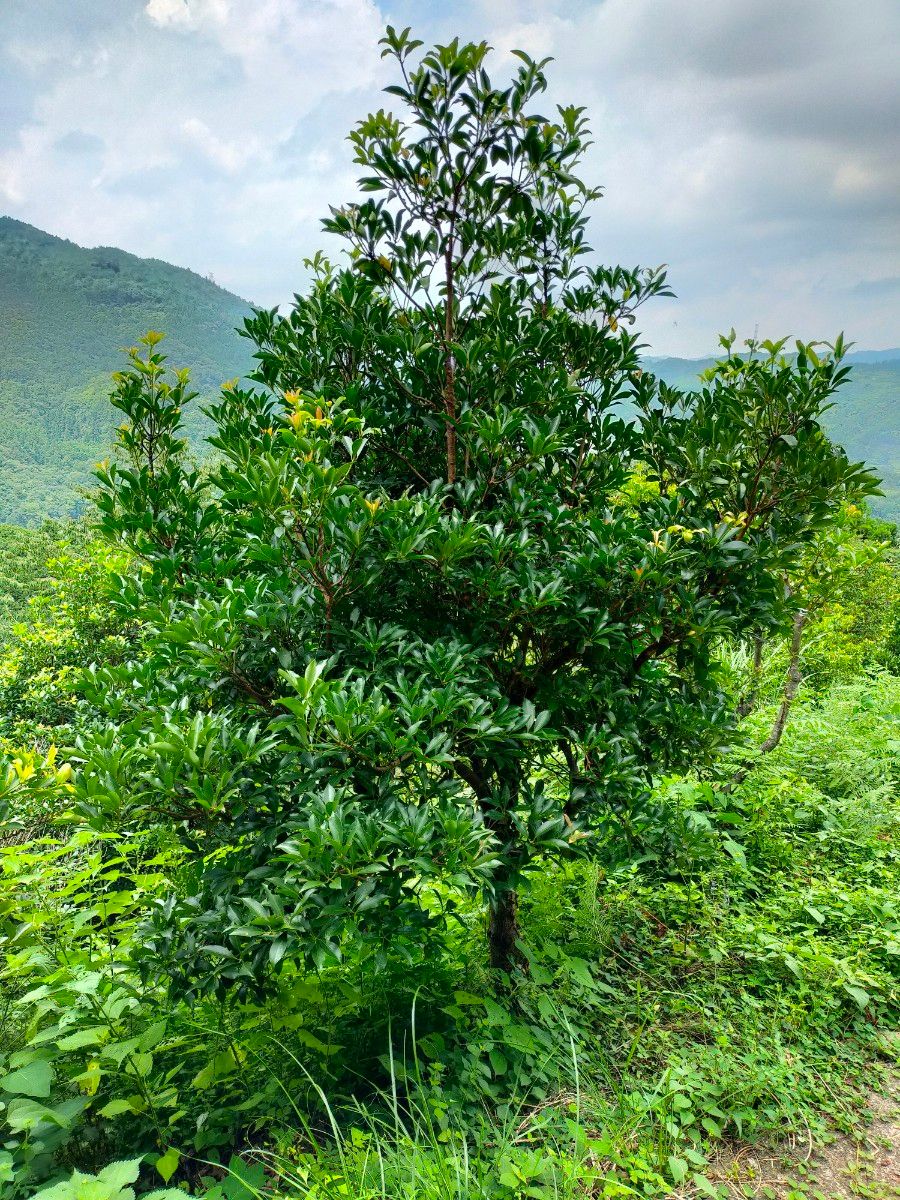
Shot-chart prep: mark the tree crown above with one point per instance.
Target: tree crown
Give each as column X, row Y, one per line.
column 454, row 589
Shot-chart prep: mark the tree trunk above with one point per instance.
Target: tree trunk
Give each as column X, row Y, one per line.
column 503, row 930
column 794, row 677
column 450, row 418
column 789, row 692
column 449, row 376
column 748, row 703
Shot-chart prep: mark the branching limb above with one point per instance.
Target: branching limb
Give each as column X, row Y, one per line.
column 791, row 685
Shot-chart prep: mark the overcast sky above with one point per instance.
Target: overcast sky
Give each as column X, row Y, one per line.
column 753, row 145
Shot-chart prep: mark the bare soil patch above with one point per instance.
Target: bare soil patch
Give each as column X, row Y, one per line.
column 865, row 1164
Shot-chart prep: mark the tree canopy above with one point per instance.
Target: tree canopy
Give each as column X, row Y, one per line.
column 453, row 591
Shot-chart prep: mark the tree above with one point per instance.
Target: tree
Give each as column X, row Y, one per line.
column 842, row 588
column 61, row 628
column 454, row 590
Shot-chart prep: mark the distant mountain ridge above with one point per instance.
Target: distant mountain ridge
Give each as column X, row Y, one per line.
column 874, row 356
column 855, row 356
column 66, row 311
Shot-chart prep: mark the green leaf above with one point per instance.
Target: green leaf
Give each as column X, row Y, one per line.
column 7, row 1167
column 736, row 850
column 25, row 1115
column 860, row 995
column 167, row 1164
column 704, row 1185
column 223, row 1064
column 495, row 1014
column 153, row 1035
column 678, row 1168
column 244, row 1180
column 119, row 1051
column 580, row 971
column 314, row 1043
column 141, row 1064
column 82, row 1037
column 118, row 1174
column 115, row 1108
column 34, row 1079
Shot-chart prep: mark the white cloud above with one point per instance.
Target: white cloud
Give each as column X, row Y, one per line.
column 186, row 14
column 10, row 189
column 752, row 146
column 169, row 12
column 852, row 178
column 227, row 155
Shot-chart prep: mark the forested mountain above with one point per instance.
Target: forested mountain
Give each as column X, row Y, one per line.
column 865, row 419
column 65, row 314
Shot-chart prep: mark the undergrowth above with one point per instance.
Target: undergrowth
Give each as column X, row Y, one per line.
column 732, row 979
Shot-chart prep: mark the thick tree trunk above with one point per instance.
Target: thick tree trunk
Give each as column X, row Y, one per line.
column 503, row 930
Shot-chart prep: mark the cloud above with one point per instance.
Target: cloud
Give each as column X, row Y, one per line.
column 169, row 12
column 229, row 156
column 753, row 146
column 186, row 14
column 77, row 142
column 188, row 106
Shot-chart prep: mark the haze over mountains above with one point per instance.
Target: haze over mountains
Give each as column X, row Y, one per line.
column 66, row 312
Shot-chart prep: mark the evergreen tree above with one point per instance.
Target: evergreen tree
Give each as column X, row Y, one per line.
column 453, row 593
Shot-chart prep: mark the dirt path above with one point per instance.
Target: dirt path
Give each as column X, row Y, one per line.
column 866, row 1164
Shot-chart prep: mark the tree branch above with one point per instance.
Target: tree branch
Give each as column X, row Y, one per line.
column 791, row 685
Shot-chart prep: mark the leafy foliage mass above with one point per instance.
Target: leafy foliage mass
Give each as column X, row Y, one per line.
column 865, row 419
column 738, row 960
column 480, row 780
column 418, row 631
column 67, row 311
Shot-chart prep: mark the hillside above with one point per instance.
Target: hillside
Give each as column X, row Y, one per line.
column 65, row 314
column 865, row 419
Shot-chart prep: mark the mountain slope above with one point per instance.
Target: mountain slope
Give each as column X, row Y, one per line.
column 65, row 314
column 865, row 418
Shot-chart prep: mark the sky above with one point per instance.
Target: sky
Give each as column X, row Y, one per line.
column 752, row 145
